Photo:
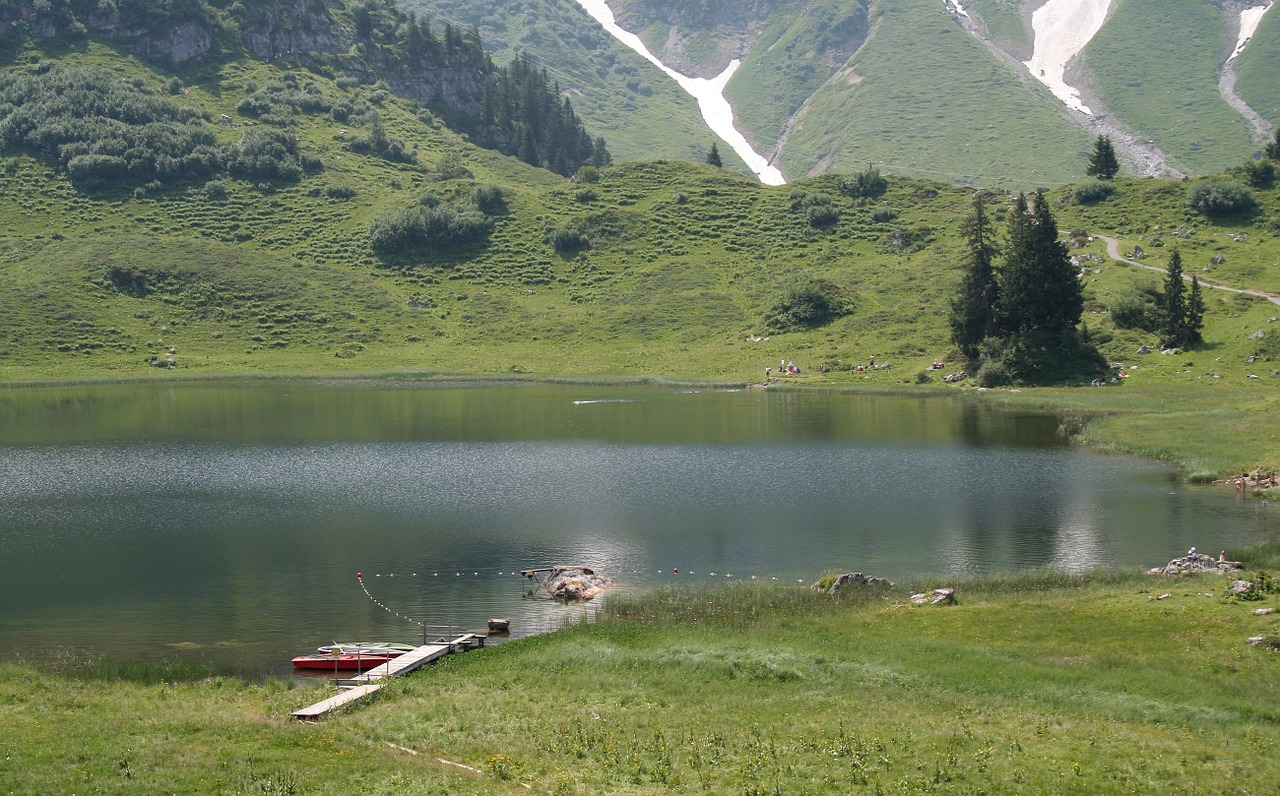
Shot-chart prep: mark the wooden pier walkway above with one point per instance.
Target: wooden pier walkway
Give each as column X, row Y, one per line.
column 368, row 682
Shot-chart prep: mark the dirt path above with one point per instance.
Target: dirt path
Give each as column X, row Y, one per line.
column 1113, row 251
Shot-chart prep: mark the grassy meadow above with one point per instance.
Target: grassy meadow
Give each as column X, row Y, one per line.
column 1167, row 90
column 1039, row 683
column 950, row 112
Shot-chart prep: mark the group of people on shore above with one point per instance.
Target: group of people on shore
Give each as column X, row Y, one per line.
column 1256, row 479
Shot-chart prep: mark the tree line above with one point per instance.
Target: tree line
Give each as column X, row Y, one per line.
column 1016, row 315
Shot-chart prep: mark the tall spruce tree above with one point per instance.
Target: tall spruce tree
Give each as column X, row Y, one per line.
column 1175, row 303
column 1272, row 149
column 1040, row 295
column 1195, row 311
column 1103, row 163
column 973, row 312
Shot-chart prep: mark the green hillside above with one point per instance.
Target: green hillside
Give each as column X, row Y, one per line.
column 640, row 111
column 794, row 56
column 1004, row 20
column 1167, row 89
column 1257, row 67
column 949, row 112
column 464, row 260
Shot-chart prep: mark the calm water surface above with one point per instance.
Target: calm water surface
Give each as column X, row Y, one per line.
column 226, row 521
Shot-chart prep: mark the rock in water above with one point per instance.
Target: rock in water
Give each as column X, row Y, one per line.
column 575, row 583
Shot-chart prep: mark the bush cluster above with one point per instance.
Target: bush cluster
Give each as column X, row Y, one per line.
column 106, row 132
column 864, row 185
column 1220, row 198
column 805, row 303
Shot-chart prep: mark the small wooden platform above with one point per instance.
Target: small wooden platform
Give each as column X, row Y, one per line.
column 348, row 695
column 367, row 683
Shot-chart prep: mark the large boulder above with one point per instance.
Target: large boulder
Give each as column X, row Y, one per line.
column 851, row 580
column 575, row 583
column 935, row 597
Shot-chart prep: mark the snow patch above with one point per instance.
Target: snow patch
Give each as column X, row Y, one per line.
column 1061, row 29
column 1249, row 20
column 955, row 7
column 716, row 111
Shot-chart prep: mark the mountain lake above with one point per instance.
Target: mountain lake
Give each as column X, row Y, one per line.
column 226, row 520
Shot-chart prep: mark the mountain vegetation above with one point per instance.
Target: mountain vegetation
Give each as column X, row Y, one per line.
column 914, row 87
column 235, row 214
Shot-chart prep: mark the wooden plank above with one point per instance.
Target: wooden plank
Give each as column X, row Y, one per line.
column 324, row 706
column 365, row 683
column 403, row 664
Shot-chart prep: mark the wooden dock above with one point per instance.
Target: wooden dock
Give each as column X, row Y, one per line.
column 368, row 682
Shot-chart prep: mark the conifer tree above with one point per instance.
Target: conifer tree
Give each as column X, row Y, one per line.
column 973, row 312
column 1040, row 294
column 1103, row 163
column 1175, row 303
column 1195, row 311
column 1272, row 149
column 713, row 157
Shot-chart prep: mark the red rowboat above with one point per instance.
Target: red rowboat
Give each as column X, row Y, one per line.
column 357, row 662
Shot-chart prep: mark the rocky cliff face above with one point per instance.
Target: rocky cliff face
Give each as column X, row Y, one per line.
column 305, row 31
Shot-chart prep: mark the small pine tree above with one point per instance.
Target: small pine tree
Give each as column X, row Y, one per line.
column 1175, row 303
column 1103, row 163
column 713, row 157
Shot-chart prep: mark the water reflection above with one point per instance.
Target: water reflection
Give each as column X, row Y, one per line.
column 227, row 521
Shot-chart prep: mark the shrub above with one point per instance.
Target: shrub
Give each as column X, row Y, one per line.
column 585, row 195
column 215, row 189
column 883, row 215
column 1136, row 309
column 805, row 303
column 426, row 229
column 1260, row 174
column 588, row 175
column 490, row 199
column 568, row 238
column 1093, row 192
column 342, row 192
column 864, row 185
column 822, row 215
column 1220, row 198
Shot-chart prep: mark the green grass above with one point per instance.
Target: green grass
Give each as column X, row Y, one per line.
column 950, row 112
column 1167, row 89
column 1032, row 684
column 1256, row 68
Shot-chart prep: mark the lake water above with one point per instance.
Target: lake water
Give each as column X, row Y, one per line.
column 226, row 521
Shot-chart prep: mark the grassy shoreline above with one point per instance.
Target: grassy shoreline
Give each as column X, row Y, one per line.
column 1037, row 683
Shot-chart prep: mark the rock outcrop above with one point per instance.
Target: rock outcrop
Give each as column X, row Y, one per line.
column 854, row 580
column 1196, row 562
column 575, row 583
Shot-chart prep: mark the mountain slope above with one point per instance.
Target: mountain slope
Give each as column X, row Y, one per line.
column 1257, row 67
column 618, row 94
column 948, row 112
column 1167, row 89
column 831, row 85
